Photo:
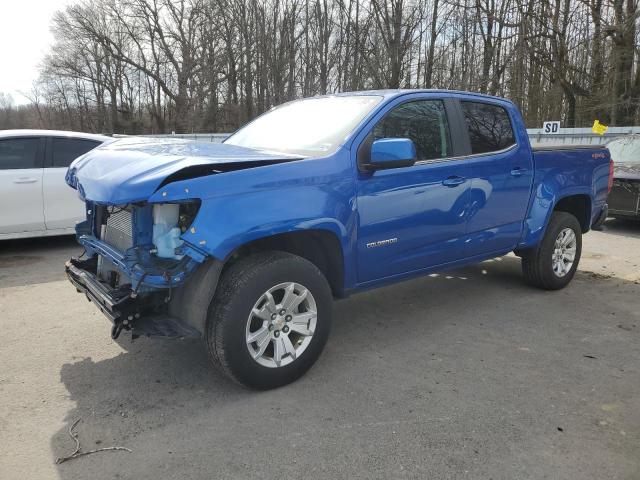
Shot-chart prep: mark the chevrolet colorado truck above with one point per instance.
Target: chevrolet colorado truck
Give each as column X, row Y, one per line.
column 246, row 243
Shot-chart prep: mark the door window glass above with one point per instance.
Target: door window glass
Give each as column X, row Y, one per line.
column 19, row 153
column 424, row 122
column 66, row 150
column 489, row 127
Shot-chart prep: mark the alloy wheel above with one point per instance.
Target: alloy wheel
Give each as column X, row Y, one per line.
column 281, row 324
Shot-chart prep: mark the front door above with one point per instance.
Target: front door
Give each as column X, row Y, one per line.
column 411, row 218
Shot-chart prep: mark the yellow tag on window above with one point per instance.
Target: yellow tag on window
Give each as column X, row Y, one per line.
column 599, row 128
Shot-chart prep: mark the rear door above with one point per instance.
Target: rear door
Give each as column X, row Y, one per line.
column 21, row 184
column 62, row 207
column 501, row 172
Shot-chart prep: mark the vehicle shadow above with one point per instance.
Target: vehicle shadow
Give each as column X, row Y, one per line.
column 434, row 360
column 163, row 396
column 35, row 260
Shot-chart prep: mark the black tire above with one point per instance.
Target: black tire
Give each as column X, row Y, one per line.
column 537, row 264
column 240, row 287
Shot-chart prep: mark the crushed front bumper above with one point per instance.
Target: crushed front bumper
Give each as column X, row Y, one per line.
column 136, row 263
column 142, row 314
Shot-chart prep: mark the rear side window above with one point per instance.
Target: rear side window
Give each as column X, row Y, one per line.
column 19, row 153
column 66, row 150
column 424, row 122
column 489, row 127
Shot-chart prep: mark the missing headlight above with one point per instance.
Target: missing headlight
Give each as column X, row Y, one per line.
column 170, row 221
column 187, row 215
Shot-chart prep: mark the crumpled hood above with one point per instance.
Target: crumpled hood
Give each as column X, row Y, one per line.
column 132, row 169
column 627, row 171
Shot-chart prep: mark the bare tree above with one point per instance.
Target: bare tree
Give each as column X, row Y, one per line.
column 133, row 66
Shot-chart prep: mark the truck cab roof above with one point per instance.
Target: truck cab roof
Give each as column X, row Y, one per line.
column 393, row 93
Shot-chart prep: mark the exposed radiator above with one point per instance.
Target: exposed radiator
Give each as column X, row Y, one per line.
column 118, row 231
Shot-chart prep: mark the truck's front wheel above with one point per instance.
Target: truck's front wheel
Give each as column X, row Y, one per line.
column 554, row 262
column 269, row 320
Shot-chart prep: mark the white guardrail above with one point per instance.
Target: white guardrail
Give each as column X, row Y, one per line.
column 565, row 136
column 578, row 136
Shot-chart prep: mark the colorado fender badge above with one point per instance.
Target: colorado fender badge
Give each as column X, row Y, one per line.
column 382, row 243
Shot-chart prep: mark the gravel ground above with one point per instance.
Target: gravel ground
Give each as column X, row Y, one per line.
column 465, row 374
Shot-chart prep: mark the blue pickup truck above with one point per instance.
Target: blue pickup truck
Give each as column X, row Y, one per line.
column 246, row 243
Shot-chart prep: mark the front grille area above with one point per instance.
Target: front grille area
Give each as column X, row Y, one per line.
column 118, row 230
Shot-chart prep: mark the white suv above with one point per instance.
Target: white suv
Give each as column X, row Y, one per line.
column 34, row 198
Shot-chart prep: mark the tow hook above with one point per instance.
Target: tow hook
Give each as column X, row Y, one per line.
column 116, row 329
column 121, row 325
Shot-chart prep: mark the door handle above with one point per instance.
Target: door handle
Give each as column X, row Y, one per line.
column 25, row 180
column 518, row 172
column 453, row 181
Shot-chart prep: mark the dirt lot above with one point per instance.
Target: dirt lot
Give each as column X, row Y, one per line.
column 467, row 374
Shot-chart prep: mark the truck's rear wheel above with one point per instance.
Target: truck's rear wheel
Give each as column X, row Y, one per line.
column 269, row 320
column 553, row 263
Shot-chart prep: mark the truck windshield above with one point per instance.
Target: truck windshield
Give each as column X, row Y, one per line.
column 309, row 127
column 625, row 149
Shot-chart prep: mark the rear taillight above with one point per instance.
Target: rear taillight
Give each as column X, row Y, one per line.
column 610, row 184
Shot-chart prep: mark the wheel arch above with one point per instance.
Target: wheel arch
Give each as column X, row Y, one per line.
column 545, row 200
column 319, row 246
column 578, row 205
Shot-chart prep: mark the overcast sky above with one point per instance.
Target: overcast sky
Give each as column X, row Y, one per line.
column 24, row 40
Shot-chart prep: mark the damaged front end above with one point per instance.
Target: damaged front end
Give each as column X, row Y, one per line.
column 144, row 265
column 134, row 262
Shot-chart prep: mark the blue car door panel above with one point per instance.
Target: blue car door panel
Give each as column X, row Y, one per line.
column 498, row 202
column 413, row 217
column 410, row 218
column 501, row 174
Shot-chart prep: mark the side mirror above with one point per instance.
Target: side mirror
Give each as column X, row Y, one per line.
column 392, row 153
